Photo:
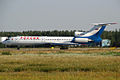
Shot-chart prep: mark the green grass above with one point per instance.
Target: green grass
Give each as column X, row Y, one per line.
column 111, row 53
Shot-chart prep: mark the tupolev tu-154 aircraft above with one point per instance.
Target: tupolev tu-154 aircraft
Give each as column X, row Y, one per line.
column 92, row 36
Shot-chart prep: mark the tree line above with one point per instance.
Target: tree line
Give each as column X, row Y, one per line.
column 114, row 36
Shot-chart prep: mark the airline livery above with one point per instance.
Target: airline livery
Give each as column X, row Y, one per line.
column 92, row 36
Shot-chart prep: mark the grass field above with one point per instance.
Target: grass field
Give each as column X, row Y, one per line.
column 72, row 64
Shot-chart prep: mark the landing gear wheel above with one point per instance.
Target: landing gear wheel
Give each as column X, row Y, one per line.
column 63, row 47
column 18, row 48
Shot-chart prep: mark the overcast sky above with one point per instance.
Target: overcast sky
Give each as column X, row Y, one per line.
column 24, row 15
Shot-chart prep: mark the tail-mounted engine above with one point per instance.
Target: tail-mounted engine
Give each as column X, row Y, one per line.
column 82, row 40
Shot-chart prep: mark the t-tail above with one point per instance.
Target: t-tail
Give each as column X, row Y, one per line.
column 94, row 34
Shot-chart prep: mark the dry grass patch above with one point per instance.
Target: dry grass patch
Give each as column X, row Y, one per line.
column 57, row 50
column 60, row 76
column 59, row 62
column 60, row 65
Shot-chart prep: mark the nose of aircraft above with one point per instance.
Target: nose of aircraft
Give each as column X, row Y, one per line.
column 4, row 42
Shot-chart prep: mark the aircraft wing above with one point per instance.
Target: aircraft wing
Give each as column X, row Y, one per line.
column 65, row 43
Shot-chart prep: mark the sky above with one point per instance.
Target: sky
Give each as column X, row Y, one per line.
column 43, row 15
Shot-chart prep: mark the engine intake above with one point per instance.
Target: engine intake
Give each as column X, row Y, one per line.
column 78, row 33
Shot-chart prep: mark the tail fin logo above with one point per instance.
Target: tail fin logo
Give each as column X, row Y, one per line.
column 96, row 28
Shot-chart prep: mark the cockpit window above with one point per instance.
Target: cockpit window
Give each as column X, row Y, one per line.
column 7, row 39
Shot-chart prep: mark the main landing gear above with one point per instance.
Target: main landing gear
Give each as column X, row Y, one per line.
column 63, row 47
column 18, row 47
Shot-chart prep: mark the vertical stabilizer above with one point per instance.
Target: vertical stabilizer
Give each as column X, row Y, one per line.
column 96, row 30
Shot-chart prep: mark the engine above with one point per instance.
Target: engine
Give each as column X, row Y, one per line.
column 78, row 33
column 82, row 40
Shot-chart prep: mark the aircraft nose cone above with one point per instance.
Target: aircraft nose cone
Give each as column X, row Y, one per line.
column 4, row 42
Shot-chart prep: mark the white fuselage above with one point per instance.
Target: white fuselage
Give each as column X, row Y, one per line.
column 36, row 40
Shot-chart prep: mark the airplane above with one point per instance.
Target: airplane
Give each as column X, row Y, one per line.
column 92, row 36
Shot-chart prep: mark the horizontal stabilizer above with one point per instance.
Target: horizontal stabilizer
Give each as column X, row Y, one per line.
column 101, row 24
